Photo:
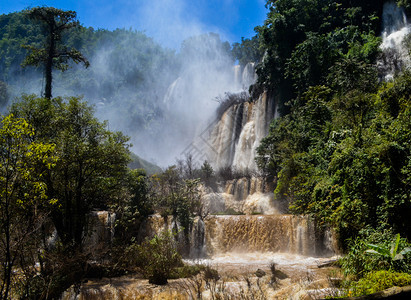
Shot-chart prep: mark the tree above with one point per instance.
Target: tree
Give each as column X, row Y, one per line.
column 310, row 61
column 92, row 165
column 247, row 51
column 53, row 54
column 23, row 194
column 293, row 29
column 181, row 198
column 134, row 207
column 4, row 95
column 207, row 173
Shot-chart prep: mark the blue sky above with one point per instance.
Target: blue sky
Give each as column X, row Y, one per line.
column 167, row 21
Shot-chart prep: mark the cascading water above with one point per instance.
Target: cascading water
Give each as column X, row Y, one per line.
column 250, row 195
column 395, row 28
column 219, row 235
column 259, row 233
column 190, row 106
column 235, row 137
column 236, row 244
column 244, row 76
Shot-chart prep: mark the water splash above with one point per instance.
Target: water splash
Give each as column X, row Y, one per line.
column 395, row 28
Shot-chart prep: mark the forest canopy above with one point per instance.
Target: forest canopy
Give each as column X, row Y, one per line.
column 341, row 150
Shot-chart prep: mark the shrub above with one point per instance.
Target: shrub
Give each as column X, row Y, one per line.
column 210, row 274
column 186, row 271
column 155, row 258
column 378, row 281
column 392, row 254
column 359, row 261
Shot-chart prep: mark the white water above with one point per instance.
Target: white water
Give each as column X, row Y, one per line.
column 244, row 262
column 395, row 28
column 235, row 137
column 191, row 102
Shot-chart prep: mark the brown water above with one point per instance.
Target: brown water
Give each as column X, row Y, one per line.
column 236, row 246
column 265, row 233
column 302, row 279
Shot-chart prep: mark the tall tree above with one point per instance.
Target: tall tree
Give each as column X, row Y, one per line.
column 53, row 54
column 22, row 193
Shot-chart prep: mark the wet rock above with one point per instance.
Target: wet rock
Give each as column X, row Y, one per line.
column 260, row 273
column 329, row 263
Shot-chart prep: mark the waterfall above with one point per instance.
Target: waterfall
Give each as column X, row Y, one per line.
column 237, row 76
column 235, row 137
column 249, row 76
column 190, row 108
column 395, row 28
column 275, row 233
column 218, row 235
column 248, row 195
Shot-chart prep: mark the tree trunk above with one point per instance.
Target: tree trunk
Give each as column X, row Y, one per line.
column 49, row 66
column 8, row 260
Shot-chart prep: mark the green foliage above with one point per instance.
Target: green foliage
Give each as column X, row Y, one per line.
column 4, row 94
column 392, row 253
column 343, row 155
column 178, row 197
column 210, row 274
column 350, row 74
column 53, row 54
column 92, row 160
column 23, row 198
column 186, row 271
column 311, row 60
column 156, row 258
column 207, row 172
column 139, row 163
column 15, row 30
column 378, row 281
column 360, row 260
column 133, row 207
column 303, row 38
column 129, row 73
column 247, row 51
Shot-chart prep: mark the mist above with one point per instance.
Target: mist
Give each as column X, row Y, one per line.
column 181, row 100
column 159, row 96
